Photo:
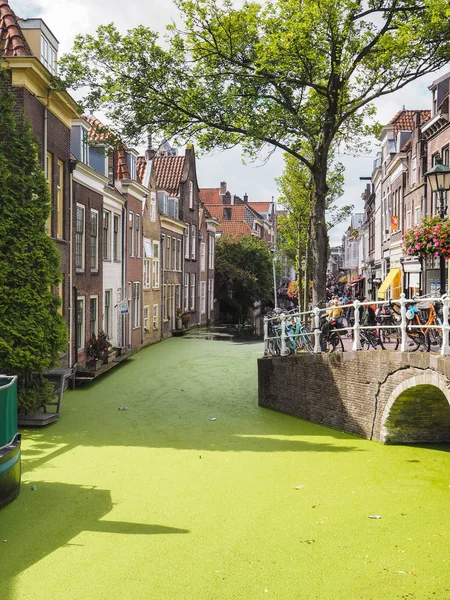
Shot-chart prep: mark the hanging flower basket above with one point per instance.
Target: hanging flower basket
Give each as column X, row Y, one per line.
column 431, row 237
column 292, row 291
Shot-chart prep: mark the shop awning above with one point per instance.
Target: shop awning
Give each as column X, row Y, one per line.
column 393, row 273
column 355, row 281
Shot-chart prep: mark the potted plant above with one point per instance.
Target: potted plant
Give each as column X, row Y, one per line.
column 185, row 318
column 98, row 350
column 179, row 321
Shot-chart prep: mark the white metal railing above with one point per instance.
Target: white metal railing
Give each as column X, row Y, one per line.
column 284, row 327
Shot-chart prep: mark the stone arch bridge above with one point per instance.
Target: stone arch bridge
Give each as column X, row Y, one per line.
column 390, row 397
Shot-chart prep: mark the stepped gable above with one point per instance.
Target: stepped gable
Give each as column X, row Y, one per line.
column 404, row 119
column 210, row 196
column 12, row 40
column 100, row 133
column 168, row 173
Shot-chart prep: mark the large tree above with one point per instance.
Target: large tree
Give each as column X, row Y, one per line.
column 32, row 332
column 243, row 270
column 299, row 75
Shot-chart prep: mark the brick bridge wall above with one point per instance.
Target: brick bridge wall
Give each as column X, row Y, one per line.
column 385, row 396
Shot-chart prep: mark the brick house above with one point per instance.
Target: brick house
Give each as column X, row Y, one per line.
column 151, row 223
column 207, row 244
column 28, row 50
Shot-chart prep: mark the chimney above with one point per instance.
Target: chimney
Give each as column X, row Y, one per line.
column 223, row 188
column 226, row 198
column 245, row 199
column 150, row 152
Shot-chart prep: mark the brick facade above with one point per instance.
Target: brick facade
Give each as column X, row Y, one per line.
column 363, row 393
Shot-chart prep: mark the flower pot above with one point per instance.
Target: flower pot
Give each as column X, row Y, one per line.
column 94, row 364
column 179, row 324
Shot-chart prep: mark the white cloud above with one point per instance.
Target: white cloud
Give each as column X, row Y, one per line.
column 66, row 18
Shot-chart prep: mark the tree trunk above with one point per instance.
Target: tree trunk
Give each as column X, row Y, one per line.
column 319, row 236
column 299, row 270
column 307, row 269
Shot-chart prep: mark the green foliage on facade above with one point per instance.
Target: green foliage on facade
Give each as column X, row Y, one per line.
column 32, row 332
column 243, row 275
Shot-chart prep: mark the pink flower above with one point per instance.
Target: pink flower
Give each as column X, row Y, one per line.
column 417, row 246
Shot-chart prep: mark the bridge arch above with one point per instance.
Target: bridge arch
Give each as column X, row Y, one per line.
column 418, row 411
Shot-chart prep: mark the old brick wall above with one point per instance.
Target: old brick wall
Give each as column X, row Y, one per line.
column 350, row 391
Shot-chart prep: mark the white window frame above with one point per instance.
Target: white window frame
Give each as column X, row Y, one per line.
column 153, row 207
column 137, row 224
column 136, row 304
column 167, row 261
column 131, row 233
column 211, row 295
column 174, row 254
column 95, row 332
column 202, row 256
column 116, row 238
column 408, row 219
column 147, row 273
column 155, row 316
column 186, row 242
column 193, row 242
column 80, row 268
column 192, row 288
column 155, row 265
column 146, row 318
column 186, row 291
column 417, row 215
column 212, row 247
column 191, row 194
column 203, row 297
column 106, row 235
column 94, row 267
column 81, row 330
column 179, row 255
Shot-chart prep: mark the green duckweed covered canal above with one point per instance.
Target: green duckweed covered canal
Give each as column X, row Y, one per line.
column 161, row 502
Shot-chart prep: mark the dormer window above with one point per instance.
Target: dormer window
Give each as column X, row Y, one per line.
column 48, row 55
column 131, row 162
column 163, row 199
column 79, row 140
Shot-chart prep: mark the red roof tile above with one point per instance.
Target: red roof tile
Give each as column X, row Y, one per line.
column 237, row 211
column 210, row 196
column 141, row 164
column 234, row 228
column 168, row 172
column 261, row 207
column 12, row 40
column 404, row 119
column 406, row 146
column 98, row 132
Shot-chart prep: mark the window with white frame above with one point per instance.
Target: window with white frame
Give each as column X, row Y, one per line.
column 211, row 248
column 138, row 235
column 107, row 313
column 186, row 242
column 163, row 202
column 94, row 240
column 202, row 256
column 106, row 235
column 155, row 316
column 131, row 234
column 81, row 340
column 193, row 241
column 211, row 294
column 179, row 255
column 191, row 194
column 186, row 291
column 153, row 207
column 48, row 55
column 155, row 265
column 79, row 238
column 413, row 177
column 116, row 238
column 131, row 162
column 203, row 297
column 192, row 291
column 408, row 220
column 167, row 260
column 174, row 254
column 93, row 315
column 146, row 318
column 146, row 273
column 137, row 304
column 417, row 216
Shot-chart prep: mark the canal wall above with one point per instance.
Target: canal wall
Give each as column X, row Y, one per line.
column 381, row 395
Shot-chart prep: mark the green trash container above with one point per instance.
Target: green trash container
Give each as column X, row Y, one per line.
column 10, row 443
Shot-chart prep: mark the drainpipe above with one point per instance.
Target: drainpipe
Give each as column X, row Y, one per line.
column 72, row 165
column 124, row 272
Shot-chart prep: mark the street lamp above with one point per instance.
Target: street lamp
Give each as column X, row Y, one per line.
column 439, row 179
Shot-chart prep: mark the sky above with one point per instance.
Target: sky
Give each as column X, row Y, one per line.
column 67, row 18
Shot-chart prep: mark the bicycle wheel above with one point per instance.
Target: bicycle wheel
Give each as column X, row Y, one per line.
column 307, row 343
column 416, row 341
column 335, row 343
column 375, row 341
column 434, row 339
